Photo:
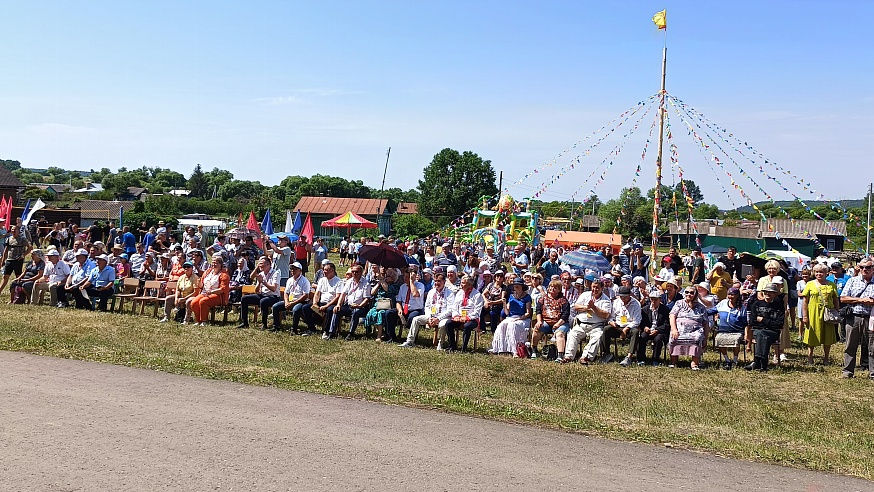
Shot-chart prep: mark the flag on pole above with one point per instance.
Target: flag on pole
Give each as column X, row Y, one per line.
column 660, row 19
column 120, row 217
column 308, row 230
column 36, row 206
column 252, row 223
column 26, row 210
column 289, row 222
column 298, row 223
column 267, row 224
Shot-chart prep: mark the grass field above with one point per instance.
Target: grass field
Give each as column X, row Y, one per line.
column 796, row 416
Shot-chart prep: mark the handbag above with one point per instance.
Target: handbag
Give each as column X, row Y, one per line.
column 382, row 304
column 829, row 315
column 522, row 351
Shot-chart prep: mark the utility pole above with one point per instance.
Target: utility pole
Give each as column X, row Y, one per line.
column 381, row 189
column 868, row 229
column 500, row 183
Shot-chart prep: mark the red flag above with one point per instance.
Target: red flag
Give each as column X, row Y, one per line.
column 3, row 206
column 308, row 230
column 253, row 224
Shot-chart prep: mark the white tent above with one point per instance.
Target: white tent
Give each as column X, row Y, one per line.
column 793, row 259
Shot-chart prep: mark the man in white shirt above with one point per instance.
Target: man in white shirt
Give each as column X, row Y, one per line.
column 265, row 296
column 466, row 309
column 344, row 245
column 624, row 322
column 282, row 254
column 438, row 307
column 324, row 299
column 594, row 310
column 53, row 278
column 137, row 260
column 297, row 291
column 353, row 302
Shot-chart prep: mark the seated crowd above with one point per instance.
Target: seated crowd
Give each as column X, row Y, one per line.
column 526, row 298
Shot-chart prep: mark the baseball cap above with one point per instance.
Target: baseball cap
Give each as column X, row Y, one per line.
column 81, row 252
column 53, row 252
column 297, row 265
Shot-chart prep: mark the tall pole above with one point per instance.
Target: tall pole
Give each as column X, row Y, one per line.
column 868, row 229
column 381, row 189
column 657, row 202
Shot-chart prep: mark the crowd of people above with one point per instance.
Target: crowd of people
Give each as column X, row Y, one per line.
column 534, row 305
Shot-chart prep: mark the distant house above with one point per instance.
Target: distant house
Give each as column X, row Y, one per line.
column 10, row 186
column 590, row 223
column 101, row 210
column 134, row 193
column 90, row 188
column 755, row 237
column 53, row 188
column 323, row 208
column 407, row 208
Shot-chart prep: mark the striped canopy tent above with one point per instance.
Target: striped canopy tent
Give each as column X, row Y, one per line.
column 349, row 220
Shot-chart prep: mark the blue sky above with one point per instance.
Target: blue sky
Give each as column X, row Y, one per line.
column 270, row 89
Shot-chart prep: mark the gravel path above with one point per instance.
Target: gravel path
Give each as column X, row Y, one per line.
column 72, row 425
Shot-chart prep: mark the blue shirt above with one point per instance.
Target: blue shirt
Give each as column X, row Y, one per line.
column 840, row 282
column 550, row 269
column 130, row 242
column 517, row 306
column 731, row 320
column 102, row 278
column 80, row 273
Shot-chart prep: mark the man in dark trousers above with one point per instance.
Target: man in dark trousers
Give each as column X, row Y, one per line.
column 765, row 317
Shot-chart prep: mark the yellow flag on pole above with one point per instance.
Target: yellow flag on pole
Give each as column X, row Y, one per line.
column 660, row 19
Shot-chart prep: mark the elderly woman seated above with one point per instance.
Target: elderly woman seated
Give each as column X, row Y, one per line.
column 732, row 323
column 689, row 326
column 514, row 328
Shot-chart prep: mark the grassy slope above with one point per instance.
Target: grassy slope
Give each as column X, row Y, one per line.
column 798, row 416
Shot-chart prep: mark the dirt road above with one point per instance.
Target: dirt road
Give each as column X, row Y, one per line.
column 71, row 425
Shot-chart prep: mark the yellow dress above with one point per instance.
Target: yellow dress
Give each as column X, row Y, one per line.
column 818, row 331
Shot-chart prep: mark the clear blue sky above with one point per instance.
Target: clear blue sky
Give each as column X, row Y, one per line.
column 269, row 89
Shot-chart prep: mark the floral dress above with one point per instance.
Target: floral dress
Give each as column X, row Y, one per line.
column 692, row 322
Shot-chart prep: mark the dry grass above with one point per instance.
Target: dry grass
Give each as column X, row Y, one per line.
column 796, row 416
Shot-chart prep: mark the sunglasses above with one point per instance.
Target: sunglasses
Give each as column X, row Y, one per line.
column 689, row 293
column 866, row 267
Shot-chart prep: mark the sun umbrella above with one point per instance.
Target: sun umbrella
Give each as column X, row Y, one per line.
column 586, row 260
column 383, row 254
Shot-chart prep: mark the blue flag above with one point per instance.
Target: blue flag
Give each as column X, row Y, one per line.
column 27, row 209
column 298, row 223
column 267, row 224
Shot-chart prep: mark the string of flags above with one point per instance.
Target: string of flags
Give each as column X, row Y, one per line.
column 847, row 215
column 762, row 171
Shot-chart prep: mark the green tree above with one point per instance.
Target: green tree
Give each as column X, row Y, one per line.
column 705, row 211
column 453, row 184
column 197, row 183
column 241, row 191
column 10, row 165
column 406, row 225
column 634, row 210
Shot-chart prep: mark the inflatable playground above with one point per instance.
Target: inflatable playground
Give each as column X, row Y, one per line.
column 507, row 224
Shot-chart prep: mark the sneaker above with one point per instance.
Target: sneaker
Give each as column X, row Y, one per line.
column 671, row 366
column 184, row 321
column 606, row 358
column 309, row 333
column 727, row 366
column 626, row 361
column 696, row 368
column 61, row 304
column 552, row 340
column 325, row 336
column 242, row 326
column 164, row 320
column 533, row 355
column 641, row 363
column 783, row 358
column 439, row 347
column 560, row 360
column 407, row 344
